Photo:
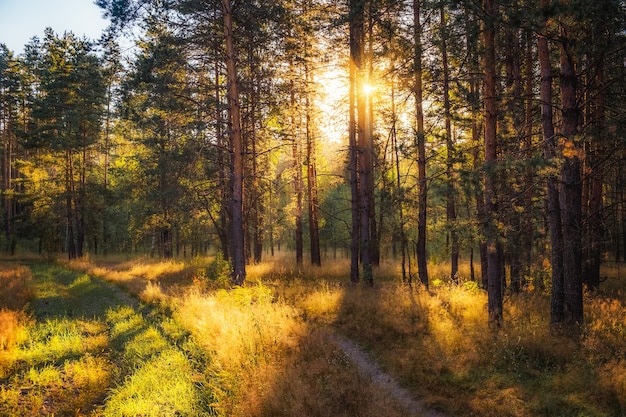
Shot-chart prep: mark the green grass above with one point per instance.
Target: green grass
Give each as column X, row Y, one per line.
column 91, row 349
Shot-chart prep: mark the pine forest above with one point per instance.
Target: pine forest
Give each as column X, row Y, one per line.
column 278, row 196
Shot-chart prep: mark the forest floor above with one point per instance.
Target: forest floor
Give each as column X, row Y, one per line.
column 142, row 337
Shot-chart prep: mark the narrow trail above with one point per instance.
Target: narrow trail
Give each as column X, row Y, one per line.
column 384, row 381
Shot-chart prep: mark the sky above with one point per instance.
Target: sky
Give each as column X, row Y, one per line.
column 20, row 20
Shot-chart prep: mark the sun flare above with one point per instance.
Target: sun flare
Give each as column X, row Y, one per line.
column 333, row 103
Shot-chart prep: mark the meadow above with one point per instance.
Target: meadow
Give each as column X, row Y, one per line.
column 119, row 337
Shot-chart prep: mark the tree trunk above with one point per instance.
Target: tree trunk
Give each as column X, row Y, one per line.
column 69, row 206
column 422, row 259
column 255, row 192
column 450, row 191
column 225, row 218
column 362, row 137
column 314, row 234
column 595, row 226
column 571, row 192
column 373, row 226
column 527, row 219
column 297, row 173
column 237, row 149
column 552, row 191
column 494, row 262
column 357, row 113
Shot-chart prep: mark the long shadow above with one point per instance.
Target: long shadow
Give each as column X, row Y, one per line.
column 333, row 371
column 393, row 318
column 78, row 320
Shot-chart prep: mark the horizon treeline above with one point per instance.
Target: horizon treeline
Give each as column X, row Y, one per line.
column 423, row 131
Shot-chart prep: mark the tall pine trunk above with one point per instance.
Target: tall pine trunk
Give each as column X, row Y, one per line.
column 352, row 167
column 238, row 255
column 297, row 173
column 453, row 240
column 571, row 191
column 552, row 190
column 494, row 261
column 422, row 259
column 363, row 142
column 314, row 234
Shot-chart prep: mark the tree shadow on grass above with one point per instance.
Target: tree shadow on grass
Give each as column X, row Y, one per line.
column 91, row 338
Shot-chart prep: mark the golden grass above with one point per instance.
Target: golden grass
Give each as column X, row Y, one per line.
column 272, row 352
column 150, row 280
column 245, row 333
column 15, row 281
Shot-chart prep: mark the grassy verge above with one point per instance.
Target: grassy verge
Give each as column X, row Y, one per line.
column 90, row 349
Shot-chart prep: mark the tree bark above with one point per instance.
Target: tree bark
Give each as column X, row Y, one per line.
column 297, row 173
column 595, row 225
column 314, row 234
column 422, row 258
column 236, row 142
column 571, row 192
column 450, row 189
column 552, row 190
column 359, row 145
column 494, row 261
column 363, row 141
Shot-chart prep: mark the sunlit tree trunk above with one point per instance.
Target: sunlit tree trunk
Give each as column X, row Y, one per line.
column 69, row 206
column 223, row 167
column 255, row 192
column 237, row 149
column 354, row 186
column 472, row 40
column 356, row 50
column 357, row 54
column 373, row 227
column 422, row 264
column 297, row 172
column 453, row 241
column 311, row 157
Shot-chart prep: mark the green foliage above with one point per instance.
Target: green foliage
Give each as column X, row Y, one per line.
column 219, row 271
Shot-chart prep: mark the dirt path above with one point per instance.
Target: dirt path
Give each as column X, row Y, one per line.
column 371, row 370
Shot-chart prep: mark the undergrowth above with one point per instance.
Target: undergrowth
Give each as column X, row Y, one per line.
column 185, row 343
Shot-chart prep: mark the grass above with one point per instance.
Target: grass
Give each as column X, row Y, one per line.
column 89, row 348
column 170, row 338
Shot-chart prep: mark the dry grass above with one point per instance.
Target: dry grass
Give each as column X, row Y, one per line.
column 149, row 279
column 16, row 292
column 438, row 342
column 271, row 350
column 15, row 281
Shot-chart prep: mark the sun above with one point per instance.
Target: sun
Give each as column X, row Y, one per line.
column 369, row 89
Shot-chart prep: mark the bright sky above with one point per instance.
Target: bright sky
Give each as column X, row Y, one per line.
column 20, row 20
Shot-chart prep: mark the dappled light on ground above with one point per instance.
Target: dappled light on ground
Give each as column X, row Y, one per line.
column 182, row 340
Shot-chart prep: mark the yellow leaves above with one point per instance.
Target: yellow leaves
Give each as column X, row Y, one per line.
column 570, row 150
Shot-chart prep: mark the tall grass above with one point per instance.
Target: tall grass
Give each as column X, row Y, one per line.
column 16, row 284
column 268, row 349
